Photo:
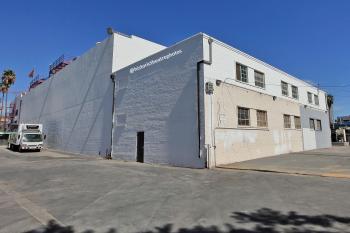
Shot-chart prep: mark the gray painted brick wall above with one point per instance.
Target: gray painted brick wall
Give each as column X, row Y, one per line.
column 75, row 105
column 161, row 101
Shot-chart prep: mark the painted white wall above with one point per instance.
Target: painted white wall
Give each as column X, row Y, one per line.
column 130, row 49
column 161, row 101
column 75, row 105
column 224, row 68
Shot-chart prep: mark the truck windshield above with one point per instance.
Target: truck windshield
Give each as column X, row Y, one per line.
column 32, row 138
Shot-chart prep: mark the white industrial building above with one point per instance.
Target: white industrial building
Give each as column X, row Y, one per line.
column 75, row 104
column 198, row 103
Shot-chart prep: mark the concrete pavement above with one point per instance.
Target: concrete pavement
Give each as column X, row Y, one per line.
column 128, row 197
column 330, row 162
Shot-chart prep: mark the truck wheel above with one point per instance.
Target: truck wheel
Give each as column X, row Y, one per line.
column 19, row 148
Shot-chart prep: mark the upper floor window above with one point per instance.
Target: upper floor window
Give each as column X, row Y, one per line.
column 286, row 121
column 309, row 97
column 295, row 92
column 259, row 79
column 317, row 102
column 242, row 72
column 243, row 116
column 284, row 87
column 297, row 123
column 261, row 117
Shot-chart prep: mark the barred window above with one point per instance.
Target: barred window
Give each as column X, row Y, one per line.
column 297, row 123
column 243, row 116
column 286, row 120
column 309, row 97
column 317, row 102
column 284, row 87
column 295, row 92
column 312, row 123
column 318, row 125
column 261, row 117
column 242, row 72
column 259, row 79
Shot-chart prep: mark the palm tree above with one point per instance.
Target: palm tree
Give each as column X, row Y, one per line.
column 7, row 80
column 3, row 91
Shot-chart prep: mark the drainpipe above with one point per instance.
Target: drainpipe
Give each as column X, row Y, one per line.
column 206, row 62
column 109, row 155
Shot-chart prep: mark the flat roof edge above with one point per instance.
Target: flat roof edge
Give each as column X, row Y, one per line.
column 259, row 61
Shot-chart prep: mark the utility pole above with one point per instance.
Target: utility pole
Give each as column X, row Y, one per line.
column 5, row 128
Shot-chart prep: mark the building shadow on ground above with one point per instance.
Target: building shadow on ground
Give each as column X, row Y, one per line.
column 264, row 220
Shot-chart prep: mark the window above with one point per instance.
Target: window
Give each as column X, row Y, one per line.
column 295, row 92
column 309, row 97
column 287, row 122
column 31, row 137
column 284, row 86
column 261, row 117
column 312, row 123
column 297, row 123
column 318, row 125
column 317, row 102
column 243, row 116
column 242, row 72
column 259, row 79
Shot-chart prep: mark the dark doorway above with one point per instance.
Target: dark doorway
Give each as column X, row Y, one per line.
column 140, row 143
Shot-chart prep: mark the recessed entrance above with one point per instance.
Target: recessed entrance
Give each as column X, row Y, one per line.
column 140, row 147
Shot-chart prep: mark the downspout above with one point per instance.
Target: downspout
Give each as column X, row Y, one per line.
column 206, row 62
column 109, row 155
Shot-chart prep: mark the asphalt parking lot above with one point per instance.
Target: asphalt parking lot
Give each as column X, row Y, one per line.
column 82, row 194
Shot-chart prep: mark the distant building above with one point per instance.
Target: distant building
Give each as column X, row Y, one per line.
column 343, row 119
column 341, row 128
column 15, row 112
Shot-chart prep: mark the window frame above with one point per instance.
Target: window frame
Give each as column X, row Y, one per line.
column 239, row 72
column 239, row 120
column 265, row 121
column 295, row 125
column 287, row 89
column 259, row 81
column 313, row 123
column 295, row 88
column 309, row 98
column 286, row 116
column 318, row 100
column 318, row 127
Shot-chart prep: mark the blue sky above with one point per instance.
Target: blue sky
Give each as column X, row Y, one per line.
column 308, row 39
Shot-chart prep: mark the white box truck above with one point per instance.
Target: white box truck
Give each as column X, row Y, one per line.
column 27, row 137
